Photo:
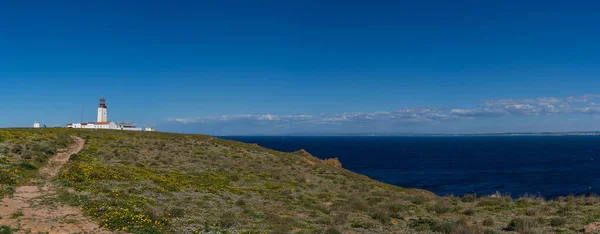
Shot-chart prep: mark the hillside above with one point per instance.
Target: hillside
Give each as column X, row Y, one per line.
column 172, row 183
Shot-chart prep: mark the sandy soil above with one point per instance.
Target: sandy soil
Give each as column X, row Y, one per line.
column 35, row 209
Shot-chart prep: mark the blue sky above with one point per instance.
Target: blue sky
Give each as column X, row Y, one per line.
column 301, row 67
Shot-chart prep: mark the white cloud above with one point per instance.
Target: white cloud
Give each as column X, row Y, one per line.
column 489, row 108
column 479, row 112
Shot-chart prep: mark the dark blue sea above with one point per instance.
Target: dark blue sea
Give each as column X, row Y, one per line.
column 547, row 166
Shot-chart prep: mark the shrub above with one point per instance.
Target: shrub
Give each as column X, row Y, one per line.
column 442, row 207
column 27, row 165
column 363, row 225
column 332, row 230
column 558, row 221
column 446, row 227
column 358, row 204
column 374, row 200
column 422, row 224
column 397, row 207
column 279, row 224
column 541, row 220
column 7, row 178
column 123, row 219
column 240, row 202
column 462, row 221
column 418, row 200
column 488, row 222
column 519, row 225
column 144, row 230
column 7, row 230
column 176, row 212
column 491, row 231
column 469, row 198
column 17, row 214
column 8, row 189
column 381, row 216
column 458, row 227
column 469, row 212
column 531, row 212
column 340, row 218
column 228, row 219
column 566, row 209
column 495, row 204
column 468, row 230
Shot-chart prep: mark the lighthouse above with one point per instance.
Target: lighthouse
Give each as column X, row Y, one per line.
column 102, row 116
column 103, row 123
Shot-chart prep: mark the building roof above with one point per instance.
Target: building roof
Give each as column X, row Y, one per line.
column 101, row 123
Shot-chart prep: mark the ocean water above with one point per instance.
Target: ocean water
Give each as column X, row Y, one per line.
column 547, row 166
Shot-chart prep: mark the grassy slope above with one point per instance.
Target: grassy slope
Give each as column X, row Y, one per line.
column 23, row 151
column 158, row 182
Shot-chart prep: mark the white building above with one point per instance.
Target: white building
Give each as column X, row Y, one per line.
column 149, row 129
column 103, row 123
column 128, row 126
column 36, row 124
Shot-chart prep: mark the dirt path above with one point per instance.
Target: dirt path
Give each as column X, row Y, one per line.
column 35, row 209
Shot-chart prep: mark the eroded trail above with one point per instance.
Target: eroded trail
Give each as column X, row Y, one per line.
column 35, row 208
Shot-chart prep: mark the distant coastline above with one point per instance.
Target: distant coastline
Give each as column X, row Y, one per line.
column 547, row 166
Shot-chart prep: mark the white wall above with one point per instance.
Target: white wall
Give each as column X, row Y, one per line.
column 110, row 125
column 102, row 115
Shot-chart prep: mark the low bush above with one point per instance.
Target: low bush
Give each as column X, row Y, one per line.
column 531, row 212
column 419, row 200
column 332, row 230
column 558, row 221
column 520, row 225
column 469, row 212
column 443, row 207
column 381, row 216
column 363, row 225
column 17, row 214
column 445, row 227
column 469, row 198
column 340, row 218
column 488, row 222
column 495, row 203
column 422, row 224
column 491, row 231
column 228, row 219
column 7, row 230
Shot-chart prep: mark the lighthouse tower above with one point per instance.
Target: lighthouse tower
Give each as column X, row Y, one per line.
column 102, row 116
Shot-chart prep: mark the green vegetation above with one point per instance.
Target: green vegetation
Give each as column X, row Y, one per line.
column 189, row 183
column 171, row 183
column 17, row 214
column 23, row 151
column 7, row 230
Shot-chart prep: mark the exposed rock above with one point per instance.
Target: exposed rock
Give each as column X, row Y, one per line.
column 331, row 161
column 592, row 227
column 310, row 162
column 334, row 161
column 303, row 152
